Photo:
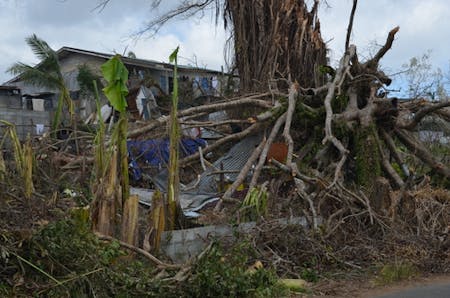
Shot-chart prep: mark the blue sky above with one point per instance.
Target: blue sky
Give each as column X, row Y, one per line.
column 424, row 25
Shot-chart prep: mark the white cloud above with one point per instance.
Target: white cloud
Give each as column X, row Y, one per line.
column 423, row 25
column 74, row 24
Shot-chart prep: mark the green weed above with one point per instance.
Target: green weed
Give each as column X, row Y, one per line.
column 221, row 274
column 395, row 272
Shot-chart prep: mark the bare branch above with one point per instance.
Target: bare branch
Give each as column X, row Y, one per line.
column 254, row 101
column 101, row 5
column 421, row 152
column 444, row 114
column 393, row 149
column 297, row 174
column 338, row 79
column 419, row 115
column 350, row 24
column 293, row 92
column 262, row 158
column 243, row 173
column 250, row 100
column 387, row 167
column 237, row 136
column 142, row 252
column 300, row 187
column 373, row 63
column 185, row 9
column 211, row 123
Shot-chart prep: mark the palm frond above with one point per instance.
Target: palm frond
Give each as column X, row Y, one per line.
column 46, row 74
column 35, row 76
column 86, row 77
column 18, row 68
column 48, row 57
column 39, row 47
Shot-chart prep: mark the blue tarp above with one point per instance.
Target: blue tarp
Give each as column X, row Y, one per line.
column 205, row 85
column 156, row 152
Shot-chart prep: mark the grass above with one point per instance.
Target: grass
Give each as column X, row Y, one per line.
column 395, row 272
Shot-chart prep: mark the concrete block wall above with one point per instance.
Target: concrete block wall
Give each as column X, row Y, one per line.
column 181, row 245
column 25, row 121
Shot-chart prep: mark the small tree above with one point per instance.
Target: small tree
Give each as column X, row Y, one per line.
column 422, row 79
column 46, row 74
column 85, row 78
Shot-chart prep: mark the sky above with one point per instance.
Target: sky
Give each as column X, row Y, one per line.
column 424, row 25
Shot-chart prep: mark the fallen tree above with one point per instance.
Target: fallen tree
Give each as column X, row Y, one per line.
column 355, row 168
column 342, row 132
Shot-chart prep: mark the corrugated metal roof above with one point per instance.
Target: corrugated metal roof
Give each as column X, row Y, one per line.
column 64, row 51
column 207, row 188
column 233, row 161
column 133, row 61
column 4, row 87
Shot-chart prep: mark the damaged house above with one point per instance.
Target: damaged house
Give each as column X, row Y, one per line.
column 27, row 113
column 150, row 84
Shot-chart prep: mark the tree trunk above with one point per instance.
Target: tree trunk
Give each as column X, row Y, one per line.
column 277, row 39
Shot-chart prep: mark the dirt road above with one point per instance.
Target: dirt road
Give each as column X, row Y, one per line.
column 431, row 287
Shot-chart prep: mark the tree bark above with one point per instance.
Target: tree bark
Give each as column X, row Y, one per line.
column 420, row 151
column 274, row 40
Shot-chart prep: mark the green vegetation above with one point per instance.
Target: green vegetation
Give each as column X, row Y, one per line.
column 226, row 275
column 368, row 164
column 23, row 158
column 395, row 272
column 339, row 103
column 116, row 74
column 77, row 264
column 309, row 274
column 46, row 74
column 423, row 79
column 42, row 253
column 65, row 259
column 255, row 203
column 442, row 153
column 111, row 166
column 173, row 185
column 85, row 78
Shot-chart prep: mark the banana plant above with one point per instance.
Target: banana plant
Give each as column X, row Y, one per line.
column 254, row 204
column 173, row 186
column 2, row 166
column 111, row 184
column 23, row 157
column 116, row 74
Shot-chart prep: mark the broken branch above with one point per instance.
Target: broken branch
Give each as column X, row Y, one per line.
column 243, row 173
column 419, row 115
column 293, row 92
column 140, row 251
column 237, row 136
column 253, row 100
column 421, row 152
column 373, row 63
column 263, row 156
